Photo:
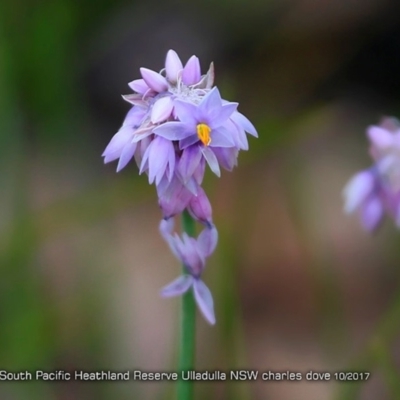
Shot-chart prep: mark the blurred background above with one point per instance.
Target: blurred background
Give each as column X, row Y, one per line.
column 297, row 285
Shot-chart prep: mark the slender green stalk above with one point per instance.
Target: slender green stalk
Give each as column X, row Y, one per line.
column 187, row 343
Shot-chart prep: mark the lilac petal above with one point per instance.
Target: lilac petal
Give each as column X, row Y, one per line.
column 171, row 187
column 175, row 244
column 227, row 157
column 207, row 241
column 200, row 207
column 141, row 149
column 141, row 134
column 166, row 227
column 161, row 110
column 178, row 286
column 117, row 143
column 154, row 80
column 220, row 114
column 135, row 99
column 371, row 213
column 210, row 76
column 180, row 247
column 173, row 65
column 173, row 130
column 139, row 86
column 211, row 102
column 204, row 300
column 192, row 259
column 171, row 165
column 134, row 116
column 211, row 160
column 357, row 190
column 189, row 243
column 207, row 80
column 192, row 186
column 144, row 144
column 381, row 138
column 191, row 72
column 159, row 154
column 188, row 141
column 188, row 162
column 221, row 137
column 387, row 165
column 238, row 134
column 175, row 198
column 242, row 121
column 186, row 112
column 109, row 157
column 126, row 155
column 199, row 172
column 163, row 185
column 144, row 164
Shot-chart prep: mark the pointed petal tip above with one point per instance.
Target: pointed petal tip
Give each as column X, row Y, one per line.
column 191, row 72
column 154, row 80
column 204, row 300
column 139, row 86
column 173, row 65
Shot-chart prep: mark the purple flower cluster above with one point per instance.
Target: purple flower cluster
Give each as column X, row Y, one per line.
column 376, row 190
column 177, row 125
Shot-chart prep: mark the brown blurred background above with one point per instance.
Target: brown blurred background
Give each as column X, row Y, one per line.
column 297, row 284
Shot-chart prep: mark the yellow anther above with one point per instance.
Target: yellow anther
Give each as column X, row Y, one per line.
column 203, row 133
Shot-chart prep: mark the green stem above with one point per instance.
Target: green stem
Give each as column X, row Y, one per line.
column 188, row 326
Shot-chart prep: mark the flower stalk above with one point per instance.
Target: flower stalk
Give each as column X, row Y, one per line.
column 187, row 345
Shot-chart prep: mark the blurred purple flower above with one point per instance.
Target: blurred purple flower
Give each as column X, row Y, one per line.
column 192, row 253
column 377, row 190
